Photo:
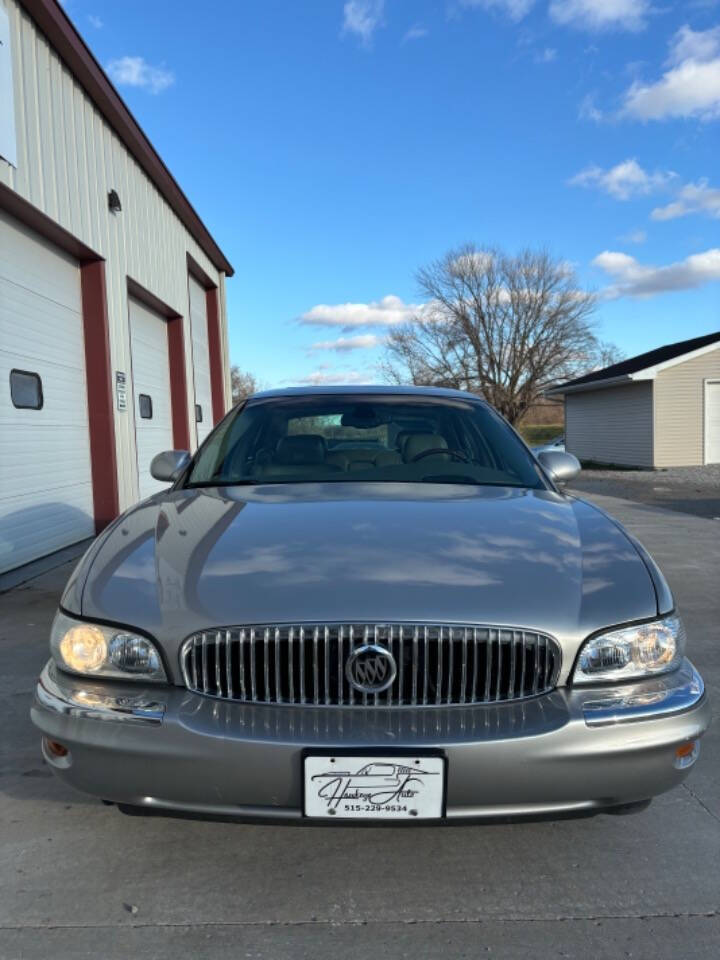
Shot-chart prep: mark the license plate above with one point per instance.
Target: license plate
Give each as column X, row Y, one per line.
column 374, row 788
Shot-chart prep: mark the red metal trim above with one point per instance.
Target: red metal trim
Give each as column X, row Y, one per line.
column 138, row 292
column 212, row 310
column 64, row 38
column 197, row 271
column 176, row 361
column 98, row 375
column 215, row 351
column 38, row 221
column 178, row 384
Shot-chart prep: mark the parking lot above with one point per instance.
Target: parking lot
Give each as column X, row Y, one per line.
column 694, row 490
column 78, row 879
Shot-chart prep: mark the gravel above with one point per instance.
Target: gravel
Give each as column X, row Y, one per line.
column 694, row 490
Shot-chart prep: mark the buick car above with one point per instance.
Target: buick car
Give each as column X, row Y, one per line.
column 361, row 579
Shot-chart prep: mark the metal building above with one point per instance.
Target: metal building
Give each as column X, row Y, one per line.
column 659, row 409
column 113, row 330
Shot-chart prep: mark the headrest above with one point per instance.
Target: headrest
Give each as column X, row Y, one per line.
column 304, row 448
column 401, row 438
column 417, row 442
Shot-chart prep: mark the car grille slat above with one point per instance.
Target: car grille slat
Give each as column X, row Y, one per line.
column 204, row 663
column 436, row 664
column 302, row 664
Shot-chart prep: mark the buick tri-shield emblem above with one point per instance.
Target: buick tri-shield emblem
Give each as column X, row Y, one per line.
column 370, row 668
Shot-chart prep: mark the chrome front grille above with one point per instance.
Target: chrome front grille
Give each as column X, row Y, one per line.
column 305, row 664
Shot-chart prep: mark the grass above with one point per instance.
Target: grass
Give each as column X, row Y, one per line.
column 535, row 434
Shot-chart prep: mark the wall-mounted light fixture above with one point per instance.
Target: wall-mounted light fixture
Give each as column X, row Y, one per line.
column 114, row 204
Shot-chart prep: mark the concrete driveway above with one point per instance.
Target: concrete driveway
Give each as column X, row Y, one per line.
column 78, row 879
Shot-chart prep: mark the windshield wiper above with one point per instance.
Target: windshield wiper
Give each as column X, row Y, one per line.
column 453, row 478
column 216, row 482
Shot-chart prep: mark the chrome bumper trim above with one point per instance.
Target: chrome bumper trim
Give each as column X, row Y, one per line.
column 678, row 692
column 95, row 703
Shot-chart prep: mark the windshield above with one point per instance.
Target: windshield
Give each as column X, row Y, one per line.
column 331, row 439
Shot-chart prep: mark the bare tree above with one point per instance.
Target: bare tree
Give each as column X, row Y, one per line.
column 505, row 327
column 244, row 384
column 606, row 355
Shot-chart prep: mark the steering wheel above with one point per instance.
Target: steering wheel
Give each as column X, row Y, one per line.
column 455, row 454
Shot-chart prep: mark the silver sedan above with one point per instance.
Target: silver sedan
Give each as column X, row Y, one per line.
column 368, row 603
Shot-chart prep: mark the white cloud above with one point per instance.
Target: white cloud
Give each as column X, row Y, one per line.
column 362, row 18
column 416, row 32
column 623, row 181
column 388, row 312
column 364, row 341
column 589, row 111
column 691, row 85
column 136, row 72
column 635, row 236
column 601, row 14
column 515, row 9
column 95, row 21
column 689, row 44
column 546, row 56
column 325, row 376
column 633, row 279
column 697, row 197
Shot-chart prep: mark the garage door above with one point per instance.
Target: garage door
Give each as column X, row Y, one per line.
column 151, row 391
column 712, row 421
column 201, row 359
column 46, row 499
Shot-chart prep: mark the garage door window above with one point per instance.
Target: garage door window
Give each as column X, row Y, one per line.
column 145, row 406
column 198, row 413
column 26, row 390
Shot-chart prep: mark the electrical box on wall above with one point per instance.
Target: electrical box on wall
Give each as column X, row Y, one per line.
column 8, row 144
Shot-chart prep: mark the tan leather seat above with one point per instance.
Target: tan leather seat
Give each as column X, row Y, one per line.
column 338, row 460
column 363, row 458
column 416, row 443
column 386, row 458
column 301, row 448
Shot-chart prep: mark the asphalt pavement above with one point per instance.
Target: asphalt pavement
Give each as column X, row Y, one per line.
column 694, row 490
column 78, row 879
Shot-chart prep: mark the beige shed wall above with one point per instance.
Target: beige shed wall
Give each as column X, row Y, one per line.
column 612, row 425
column 68, row 160
column 680, row 410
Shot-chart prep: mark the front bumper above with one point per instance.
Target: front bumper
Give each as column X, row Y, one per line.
column 571, row 750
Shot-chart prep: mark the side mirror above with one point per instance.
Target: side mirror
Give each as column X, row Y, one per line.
column 168, row 466
column 560, row 466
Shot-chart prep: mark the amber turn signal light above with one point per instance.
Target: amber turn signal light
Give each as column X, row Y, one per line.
column 686, row 754
column 56, row 749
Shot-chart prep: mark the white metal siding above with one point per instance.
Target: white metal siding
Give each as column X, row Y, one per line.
column 201, row 356
column 679, row 410
column 151, row 376
column 68, row 160
column 614, row 425
column 46, row 500
column 712, row 421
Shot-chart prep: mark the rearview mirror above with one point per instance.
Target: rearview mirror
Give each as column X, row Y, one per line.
column 560, row 466
column 168, row 466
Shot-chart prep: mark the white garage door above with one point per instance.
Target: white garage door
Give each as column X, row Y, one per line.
column 201, row 359
column 712, row 421
column 151, row 391
column 46, row 499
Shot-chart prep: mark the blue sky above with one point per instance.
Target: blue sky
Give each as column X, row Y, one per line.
column 334, row 147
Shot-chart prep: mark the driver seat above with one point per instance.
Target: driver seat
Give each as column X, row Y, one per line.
column 416, row 443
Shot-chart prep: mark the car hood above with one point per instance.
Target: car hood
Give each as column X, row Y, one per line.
column 192, row 559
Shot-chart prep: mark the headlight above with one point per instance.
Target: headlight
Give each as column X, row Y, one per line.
column 94, row 650
column 632, row 652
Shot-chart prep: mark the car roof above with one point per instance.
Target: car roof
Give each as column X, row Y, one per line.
column 371, row 390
